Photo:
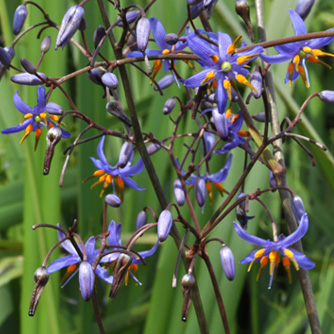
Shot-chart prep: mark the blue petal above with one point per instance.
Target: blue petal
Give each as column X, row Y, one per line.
column 196, row 80
column 40, row 99
column 90, row 249
column 159, row 33
column 133, row 170
column 63, row 262
column 297, row 22
column 319, row 42
column 103, row 274
column 251, row 238
column 275, row 59
column 222, row 174
column 221, row 96
column 298, row 234
column 129, row 182
column 224, row 41
column 100, row 153
column 18, row 128
column 20, row 105
column 147, row 253
column 302, row 260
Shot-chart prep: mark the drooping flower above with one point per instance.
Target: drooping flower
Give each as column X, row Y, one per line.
column 116, row 175
column 270, row 251
column 34, row 118
column 221, row 65
column 298, row 52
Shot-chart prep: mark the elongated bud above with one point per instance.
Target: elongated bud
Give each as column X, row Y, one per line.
column 45, row 45
column 187, row 283
column 165, row 223
column 169, row 106
column 28, row 79
column 171, row 39
column 86, row 280
column 121, row 268
column 113, row 200
column 178, row 192
column 193, row 2
column 52, row 138
column 20, row 16
column 125, row 154
column 141, row 219
column 115, row 108
column 130, row 16
column 260, row 117
column 28, row 66
column 95, row 75
column 256, row 82
column 209, row 139
column 5, row 57
column 110, row 80
column 99, row 33
column 297, row 207
column 41, row 277
column 69, row 25
column 227, row 260
column 327, row 96
column 153, row 148
column 143, row 32
column 241, row 212
column 200, row 191
column 54, row 108
column 304, row 7
column 242, row 9
column 165, row 82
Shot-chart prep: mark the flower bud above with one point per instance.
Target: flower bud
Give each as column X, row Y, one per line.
column 5, row 57
column 165, row 82
column 256, row 82
column 99, row 33
column 28, row 79
column 110, row 80
column 169, row 106
column 153, row 148
column 242, row 9
column 297, row 207
column 95, row 75
column 52, row 138
column 41, row 277
column 260, row 117
column 20, row 16
column 227, row 260
column 209, row 140
column 130, row 16
column 69, row 25
column 171, row 39
column 165, row 223
column 28, row 66
column 125, row 154
column 187, row 283
column 141, row 219
column 45, row 45
column 121, row 268
column 143, row 32
column 327, row 96
column 54, row 108
column 86, row 280
column 241, row 212
column 113, row 200
column 304, row 7
column 200, row 191
column 178, row 192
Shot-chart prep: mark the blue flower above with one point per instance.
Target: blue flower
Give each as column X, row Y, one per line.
column 270, row 251
column 298, row 52
column 118, row 174
column 34, row 118
column 221, row 65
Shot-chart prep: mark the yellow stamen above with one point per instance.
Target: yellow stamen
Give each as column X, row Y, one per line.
column 272, row 259
column 38, row 134
column 69, row 271
column 228, row 113
column 263, row 263
column 234, row 118
column 27, row 133
column 257, row 255
column 315, row 60
column 290, row 71
column 227, row 86
column 99, row 172
column 243, row 59
column 288, row 253
column 166, row 52
column 27, row 116
column 210, row 75
column 214, row 58
column 156, row 67
column 302, row 73
column 209, row 188
column 286, row 264
column 241, row 79
column 232, row 47
column 54, row 118
column 119, row 187
column 220, row 188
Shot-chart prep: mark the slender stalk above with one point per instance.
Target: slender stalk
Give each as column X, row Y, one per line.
column 282, row 181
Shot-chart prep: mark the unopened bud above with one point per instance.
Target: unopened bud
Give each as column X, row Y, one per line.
column 153, row 148
column 209, row 140
column 110, row 80
column 130, row 16
column 28, row 66
column 20, row 16
column 171, row 39
column 86, row 280
column 178, row 192
column 125, row 155
column 5, row 57
column 327, row 96
column 143, row 32
column 95, row 75
column 227, row 260
column 242, row 9
column 45, row 45
column 121, row 268
column 187, row 283
column 52, row 138
column 304, row 7
column 297, row 207
column 200, row 191
column 169, row 106
column 165, row 82
column 256, row 82
column 29, row 79
column 41, row 277
column 54, row 108
column 113, row 200
column 165, row 223
column 141, row 219
column 99, row 33
column 260, row 117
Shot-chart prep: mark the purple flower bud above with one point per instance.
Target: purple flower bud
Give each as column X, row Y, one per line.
column 10, row 51
column 304, row 7
column 5, row 57
column 221, row 123
column 260, row 117
column 125, row 155
column 99, row 33
column 95, row 75
column 193, row 2
column 153, row 148
column 169, row 106
column 45, row 45
column 69, row 25
column 110, row 80
column 272, row 180
column 327, row 96
column 28, row 79
column 143, row 32
column 86, row 280
column 227, row 259
column 297, row 207
column 129, row 16
column 209, row 140
column 28, row 66
column 171, row 39
column 82, row 25
column 165, row 82
column 256, row 82
column 20, row 16
column 165, row 223
column 178, row 192
column 53, row 108
column 200, row 191
column 113, row 200
column 141, row 219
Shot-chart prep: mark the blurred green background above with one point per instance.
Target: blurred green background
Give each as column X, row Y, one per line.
column 27, row 197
